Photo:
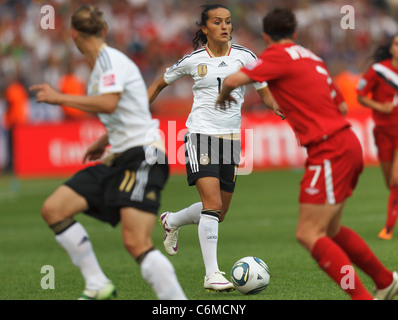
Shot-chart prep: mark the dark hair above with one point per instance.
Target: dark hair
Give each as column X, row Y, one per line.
column 383, row 52
column 89, row 20
column 200, row 36
column 280, row 23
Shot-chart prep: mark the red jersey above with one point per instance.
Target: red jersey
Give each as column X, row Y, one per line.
column 303, row 88
column 381, row 81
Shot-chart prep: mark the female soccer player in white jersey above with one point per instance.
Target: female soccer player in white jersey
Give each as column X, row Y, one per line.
column 127, row 186
column 212, row 144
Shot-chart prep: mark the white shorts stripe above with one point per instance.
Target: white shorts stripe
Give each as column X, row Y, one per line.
column 329, row 182
column 192, row 155
column 140, row 182
column 195, row 159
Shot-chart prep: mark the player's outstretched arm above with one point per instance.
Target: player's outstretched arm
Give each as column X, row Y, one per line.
column 156, row 88
column 104, row 103
column 386, row 107
column 230, row 83
column 270, row 102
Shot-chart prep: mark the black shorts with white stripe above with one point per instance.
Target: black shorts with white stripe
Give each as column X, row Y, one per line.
column 133, row 180
column 212, row 156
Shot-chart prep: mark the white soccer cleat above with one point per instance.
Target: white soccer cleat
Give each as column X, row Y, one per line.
column 217, row 282
column 107, row 292
column 170, row 241
column 389, row 292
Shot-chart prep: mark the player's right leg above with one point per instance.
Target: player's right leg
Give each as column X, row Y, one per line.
column 156, row 269
column 387, row 145
column 392, row 209
column 58, row 211
column 387, row 231
column 172, row 221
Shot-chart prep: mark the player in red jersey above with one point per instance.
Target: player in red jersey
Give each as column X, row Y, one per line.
column 381, row 82
column 314, row 107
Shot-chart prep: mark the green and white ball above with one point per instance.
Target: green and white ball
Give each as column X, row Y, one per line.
column 250, row 275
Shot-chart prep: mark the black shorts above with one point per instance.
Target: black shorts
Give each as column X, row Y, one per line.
column 210, row 156
column 132, row 180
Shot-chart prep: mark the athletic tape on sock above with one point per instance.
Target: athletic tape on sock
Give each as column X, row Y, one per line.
column 142, row 256
column 62, row 225
column 212, row 213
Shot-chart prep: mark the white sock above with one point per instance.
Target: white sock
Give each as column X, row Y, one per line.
column 189, row 215
column 158, row 271
column 78, row 245
column 208, row 238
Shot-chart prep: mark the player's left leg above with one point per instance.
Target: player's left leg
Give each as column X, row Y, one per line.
column 173, row 221
column 209, row 190
column 156, row 269
column 392, row 209
column 315, row 221
column 226, row 198
column 58, row 211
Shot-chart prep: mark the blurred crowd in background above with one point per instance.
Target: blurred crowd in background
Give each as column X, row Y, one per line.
column 156, row 33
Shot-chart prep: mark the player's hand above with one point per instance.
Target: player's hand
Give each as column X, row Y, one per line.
column 46, row 93
column 94, row 152
column 278, row 111
column 224, row 104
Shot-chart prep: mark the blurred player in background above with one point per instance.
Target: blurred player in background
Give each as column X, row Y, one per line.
column 212, row 144
column 126, row 186
column 314, row 108
column 17, row 111
column 70, row 83
column 381, row 82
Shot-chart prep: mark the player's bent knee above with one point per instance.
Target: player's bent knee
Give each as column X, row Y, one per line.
column 48, row 212
column 136, row 246
column 303, row 238
column 52, row 212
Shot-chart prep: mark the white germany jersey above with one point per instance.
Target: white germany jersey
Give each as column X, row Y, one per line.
column 131, row 124
column 208, row 73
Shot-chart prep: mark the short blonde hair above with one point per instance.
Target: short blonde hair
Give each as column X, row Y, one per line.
column 89, row 20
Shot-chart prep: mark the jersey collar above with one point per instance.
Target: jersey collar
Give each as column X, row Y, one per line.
column 227, row 52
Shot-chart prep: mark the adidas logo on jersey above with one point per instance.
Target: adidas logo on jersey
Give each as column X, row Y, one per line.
column 222, row 64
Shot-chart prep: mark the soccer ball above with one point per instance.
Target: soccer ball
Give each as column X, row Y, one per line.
column 250, row 275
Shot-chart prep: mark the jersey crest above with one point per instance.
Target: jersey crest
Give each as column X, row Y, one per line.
column 202, row 70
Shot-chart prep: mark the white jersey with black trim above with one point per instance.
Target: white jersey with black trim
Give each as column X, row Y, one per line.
column 131, row 124
column 208, row 73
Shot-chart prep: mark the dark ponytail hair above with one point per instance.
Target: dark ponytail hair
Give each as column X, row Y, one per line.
column 200, row 37
column 383, row 52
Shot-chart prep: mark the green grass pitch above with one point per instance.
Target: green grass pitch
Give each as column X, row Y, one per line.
column 261, row 222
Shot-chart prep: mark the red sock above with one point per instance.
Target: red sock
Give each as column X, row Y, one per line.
column 333, row 260
column 361, row 255
column 392, row 210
